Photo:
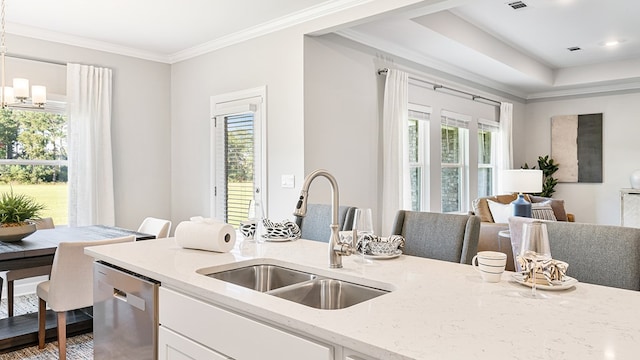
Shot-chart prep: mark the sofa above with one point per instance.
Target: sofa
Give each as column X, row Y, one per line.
column 493, row 222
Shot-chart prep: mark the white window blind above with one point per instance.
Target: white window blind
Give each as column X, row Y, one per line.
column 238, row 165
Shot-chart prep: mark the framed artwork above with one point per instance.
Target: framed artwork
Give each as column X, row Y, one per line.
column 576, row 146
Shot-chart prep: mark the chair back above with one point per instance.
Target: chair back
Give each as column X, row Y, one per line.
column 315, row 225
column 597, row 254
column 158, row 227
column 43, row 223
column 448, row 237
column 71, row 282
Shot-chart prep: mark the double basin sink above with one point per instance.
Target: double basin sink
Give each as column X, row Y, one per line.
column 301, row 287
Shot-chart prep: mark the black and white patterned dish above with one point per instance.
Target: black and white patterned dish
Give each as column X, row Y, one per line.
column 396, row 254
column 286, row 230
column 278, row 239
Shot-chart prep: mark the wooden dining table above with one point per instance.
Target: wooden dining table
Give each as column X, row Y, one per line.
column 39, row 249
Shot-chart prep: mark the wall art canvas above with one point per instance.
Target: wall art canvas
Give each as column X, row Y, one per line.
column 576, row 145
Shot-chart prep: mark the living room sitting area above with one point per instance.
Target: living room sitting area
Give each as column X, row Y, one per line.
column 494, row 212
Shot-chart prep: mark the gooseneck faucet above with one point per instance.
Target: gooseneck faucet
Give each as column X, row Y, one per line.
column 336, row 249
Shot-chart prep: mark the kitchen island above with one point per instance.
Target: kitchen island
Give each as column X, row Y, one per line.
column 434, row 310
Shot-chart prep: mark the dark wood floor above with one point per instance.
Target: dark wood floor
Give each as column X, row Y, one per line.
column 20, row 331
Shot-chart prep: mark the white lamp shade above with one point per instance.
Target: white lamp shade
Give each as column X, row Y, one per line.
column 21, row 88
column 521, row 181
column 8, row 95
column 38, row 94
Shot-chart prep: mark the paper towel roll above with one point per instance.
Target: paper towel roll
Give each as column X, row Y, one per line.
column 205, row 235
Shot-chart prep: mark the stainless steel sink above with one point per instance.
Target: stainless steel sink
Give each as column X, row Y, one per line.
column 263, row 277
column 298, row 286
column 329, row 294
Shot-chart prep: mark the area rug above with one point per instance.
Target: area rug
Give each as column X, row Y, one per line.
column 78, row 347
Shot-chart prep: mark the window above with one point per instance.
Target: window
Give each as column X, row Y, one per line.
column 453, row 155
column 237, row 148
column 418, row 166
column 33, row 151
column 487, row 138
column 454, row 145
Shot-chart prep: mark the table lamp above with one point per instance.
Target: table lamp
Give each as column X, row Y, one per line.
column 521, row 181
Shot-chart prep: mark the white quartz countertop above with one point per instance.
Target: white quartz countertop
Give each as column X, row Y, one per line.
column 436, row 309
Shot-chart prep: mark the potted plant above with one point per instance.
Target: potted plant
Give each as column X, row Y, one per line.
column 15, row 210
column 548, row 167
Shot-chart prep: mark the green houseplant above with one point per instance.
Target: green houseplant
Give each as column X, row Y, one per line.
column 548, row 167
column 15, row 209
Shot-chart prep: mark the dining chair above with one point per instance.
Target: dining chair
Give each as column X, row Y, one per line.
column 158, row 227
column 70, row 286
column 19, row 274
column 606, row 255
column 315, row 225
column 448, row 237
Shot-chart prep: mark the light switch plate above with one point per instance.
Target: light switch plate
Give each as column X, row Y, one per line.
column 287, row 181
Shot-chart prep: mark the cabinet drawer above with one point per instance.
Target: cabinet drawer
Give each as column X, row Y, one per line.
column 173, row 346
column 232, row 334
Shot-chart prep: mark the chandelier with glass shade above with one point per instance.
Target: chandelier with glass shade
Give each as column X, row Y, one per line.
column 18, row 95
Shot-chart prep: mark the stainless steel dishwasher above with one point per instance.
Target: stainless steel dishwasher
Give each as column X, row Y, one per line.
column 125, row 314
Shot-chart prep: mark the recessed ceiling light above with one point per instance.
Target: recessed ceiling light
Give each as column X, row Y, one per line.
column 612, row 42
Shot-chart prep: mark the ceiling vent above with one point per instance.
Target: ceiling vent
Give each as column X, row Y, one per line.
column 574, row 48
column 517, row 5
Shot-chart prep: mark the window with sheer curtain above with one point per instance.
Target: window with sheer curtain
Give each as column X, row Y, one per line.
column 33, row 151
column 461, row 180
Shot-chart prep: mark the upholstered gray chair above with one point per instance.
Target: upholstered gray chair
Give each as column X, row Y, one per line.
column 597, row 254
column 315, row 225
column 448, row 237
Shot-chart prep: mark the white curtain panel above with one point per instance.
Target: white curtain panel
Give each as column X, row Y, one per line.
column 91, row 199
column 396, row 185
column 505, row 152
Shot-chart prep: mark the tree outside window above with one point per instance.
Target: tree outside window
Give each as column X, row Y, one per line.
column 33, row 152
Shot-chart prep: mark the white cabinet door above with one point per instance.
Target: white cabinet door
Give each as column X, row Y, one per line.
column 232, row 334
column 173, row 346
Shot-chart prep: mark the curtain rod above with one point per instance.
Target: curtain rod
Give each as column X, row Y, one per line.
column 435, row 87
column 24, row 57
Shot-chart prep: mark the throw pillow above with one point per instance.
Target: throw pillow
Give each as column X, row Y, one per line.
column 556, row 205
column 542, row 211
column 500, row 212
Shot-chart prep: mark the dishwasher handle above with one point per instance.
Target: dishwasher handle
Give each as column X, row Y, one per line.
column 130, row 299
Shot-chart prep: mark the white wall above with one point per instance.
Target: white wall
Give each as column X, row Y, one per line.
column 273, row 60
column 141, row 120
column 592, row 203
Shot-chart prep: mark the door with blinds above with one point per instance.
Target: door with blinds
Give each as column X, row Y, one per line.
column 237, row 154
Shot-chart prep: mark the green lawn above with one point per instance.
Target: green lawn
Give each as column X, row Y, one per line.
column 53, row 196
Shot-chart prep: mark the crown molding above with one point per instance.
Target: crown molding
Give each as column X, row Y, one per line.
column 283, row 22
column 421, row 59
column 48, row 35
column 586, row 91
